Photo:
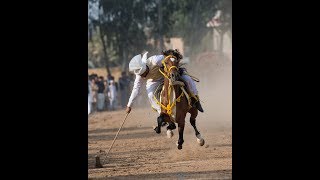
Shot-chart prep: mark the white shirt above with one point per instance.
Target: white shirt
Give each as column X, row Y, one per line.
column 112, row 94
column 153, row 62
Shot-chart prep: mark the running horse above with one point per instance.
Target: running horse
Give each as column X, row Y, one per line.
column 175, row 101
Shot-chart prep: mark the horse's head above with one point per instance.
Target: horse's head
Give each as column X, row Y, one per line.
column 171, row 64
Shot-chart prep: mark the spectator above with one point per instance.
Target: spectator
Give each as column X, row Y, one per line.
column 101, row 96
column 112, row 94
column 124, row 83
column 106, row 99
column 94, row 90
column 96, row 79
column 89, row 95
column 109, row 78
column 92, row 76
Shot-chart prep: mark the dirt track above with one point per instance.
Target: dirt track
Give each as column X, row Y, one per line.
column 140, row 153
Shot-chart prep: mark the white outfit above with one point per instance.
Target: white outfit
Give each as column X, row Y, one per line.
column 112, row 94
column 89, row 98
column 154, row 78
column 100, row 101
column 138, row 64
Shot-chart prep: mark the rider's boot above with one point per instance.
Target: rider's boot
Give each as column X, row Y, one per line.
column 196, row 103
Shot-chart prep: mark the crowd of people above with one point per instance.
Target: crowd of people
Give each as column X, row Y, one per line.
column 107, row 94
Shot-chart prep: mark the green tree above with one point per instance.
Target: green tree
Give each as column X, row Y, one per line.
column 126, row 25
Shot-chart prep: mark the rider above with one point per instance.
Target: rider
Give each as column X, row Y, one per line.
column 148, row 69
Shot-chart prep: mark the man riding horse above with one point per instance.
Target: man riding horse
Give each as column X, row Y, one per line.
column 147, row 69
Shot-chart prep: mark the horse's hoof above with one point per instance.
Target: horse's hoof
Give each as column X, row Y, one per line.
column 179, row 144
column 157, row 129
column 169, row 133
column 201, row 141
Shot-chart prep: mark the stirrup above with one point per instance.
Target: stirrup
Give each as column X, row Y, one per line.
column 199, row 107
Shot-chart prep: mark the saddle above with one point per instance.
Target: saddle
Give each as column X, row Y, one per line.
column 157, row 92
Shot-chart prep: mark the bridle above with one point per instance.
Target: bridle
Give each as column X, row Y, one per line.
column 166, row 70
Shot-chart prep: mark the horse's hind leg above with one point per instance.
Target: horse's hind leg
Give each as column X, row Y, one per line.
column 181, row 129
column 194, row 114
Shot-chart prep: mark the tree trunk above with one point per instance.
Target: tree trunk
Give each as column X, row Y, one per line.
column 221, row 41
column 120, row 48
column 104, row 49
column 90, row 33
column 213, row 40
column 230, row 35
column 160, row 25
column 124, row 59
column 195, row 15
column 102, row 35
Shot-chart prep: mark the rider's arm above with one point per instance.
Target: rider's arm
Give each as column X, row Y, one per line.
column 156, row 60
column 135, row 90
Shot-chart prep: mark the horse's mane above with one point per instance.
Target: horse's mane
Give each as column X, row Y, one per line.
column 175, row 53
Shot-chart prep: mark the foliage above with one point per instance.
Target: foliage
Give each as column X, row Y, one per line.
column 127, row 25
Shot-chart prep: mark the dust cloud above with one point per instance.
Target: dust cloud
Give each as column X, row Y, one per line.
column 215, row 91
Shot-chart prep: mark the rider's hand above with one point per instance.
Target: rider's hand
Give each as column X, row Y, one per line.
column 128, row 110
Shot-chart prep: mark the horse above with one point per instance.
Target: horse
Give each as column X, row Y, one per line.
column 175, row 102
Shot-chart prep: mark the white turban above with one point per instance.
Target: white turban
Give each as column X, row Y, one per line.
column 137, row 64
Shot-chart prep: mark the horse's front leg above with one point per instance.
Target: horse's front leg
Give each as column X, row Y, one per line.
column 180, row 129
column 160, row 120
column 200, row 140
column 171, row 127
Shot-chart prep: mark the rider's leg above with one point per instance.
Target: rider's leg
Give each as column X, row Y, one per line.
column 151, row 87
column 193, row 90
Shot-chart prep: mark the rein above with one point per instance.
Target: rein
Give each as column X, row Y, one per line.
column 166, row 70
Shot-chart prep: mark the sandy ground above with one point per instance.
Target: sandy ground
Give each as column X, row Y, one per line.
column 140, row 153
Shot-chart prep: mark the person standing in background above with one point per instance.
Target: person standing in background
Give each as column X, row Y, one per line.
column 89, row 96
column 124, row 83
column 112, row 94
column 106, row 99
column 109, row 78
column 94, row 90
column 101, row 96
